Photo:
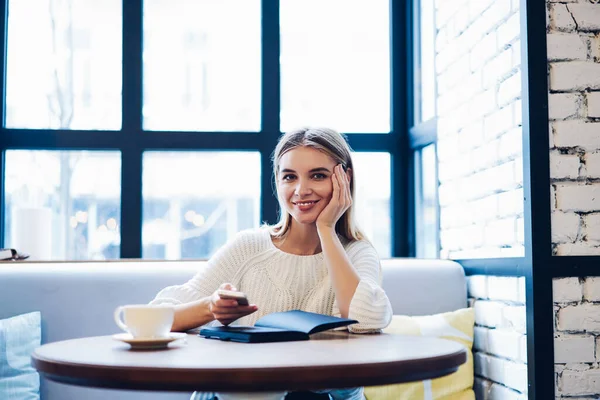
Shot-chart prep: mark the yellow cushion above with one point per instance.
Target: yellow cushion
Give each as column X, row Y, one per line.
column 456, row 326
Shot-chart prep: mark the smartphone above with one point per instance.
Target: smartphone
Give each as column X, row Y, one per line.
column 230, row 294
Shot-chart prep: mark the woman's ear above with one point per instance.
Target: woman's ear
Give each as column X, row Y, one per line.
column 349, row 172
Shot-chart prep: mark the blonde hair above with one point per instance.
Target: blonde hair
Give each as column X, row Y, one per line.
column 335, row 146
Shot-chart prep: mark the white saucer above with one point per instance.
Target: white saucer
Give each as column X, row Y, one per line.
column 148, row 343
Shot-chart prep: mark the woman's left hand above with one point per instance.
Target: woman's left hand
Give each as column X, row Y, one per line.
column 341, row 199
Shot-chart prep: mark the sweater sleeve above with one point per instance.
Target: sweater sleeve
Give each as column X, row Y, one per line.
column 219, row 269
column 370, row 305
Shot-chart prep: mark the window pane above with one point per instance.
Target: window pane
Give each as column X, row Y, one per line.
column 64, row 64
column 335, row 64
column 372, row 202
column 59, row 208
column 426, row 210
column 426, row 59
column 195, row 201
column 202, row 65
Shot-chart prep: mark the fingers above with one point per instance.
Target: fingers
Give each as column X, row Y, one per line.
column 335, row 196
column 228, row 310
column 343, row 181
column 346, row 186
column 227, row 286
column 220, row 305
column 224, row 303
column 228, row 315
column 348, row 190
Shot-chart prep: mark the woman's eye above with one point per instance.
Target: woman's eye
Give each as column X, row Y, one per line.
column 287, row 177
column 319, row 176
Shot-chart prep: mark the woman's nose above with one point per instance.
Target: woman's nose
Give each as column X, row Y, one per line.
column 303, row 188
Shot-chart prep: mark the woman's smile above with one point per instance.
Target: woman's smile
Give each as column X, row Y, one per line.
column 305, row 205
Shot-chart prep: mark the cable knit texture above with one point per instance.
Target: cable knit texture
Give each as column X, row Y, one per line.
column 278, row 281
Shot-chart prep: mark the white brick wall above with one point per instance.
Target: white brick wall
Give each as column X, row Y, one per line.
column 479, row 128
column 577, row 336
column 481, row 174
column 500, row 346
column 574, row 111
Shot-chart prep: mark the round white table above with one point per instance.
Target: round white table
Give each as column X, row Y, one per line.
column 332, row 359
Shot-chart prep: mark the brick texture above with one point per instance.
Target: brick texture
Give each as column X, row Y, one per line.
column 500, row 346
column 577, row 337
column 574, row 113
column 479, row 126
column 479, row 152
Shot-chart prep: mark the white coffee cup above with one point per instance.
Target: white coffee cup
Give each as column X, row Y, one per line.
column 145, row 321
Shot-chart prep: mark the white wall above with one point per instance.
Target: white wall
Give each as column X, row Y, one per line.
column 500, row 347
column 574, row 111
column 479, row 128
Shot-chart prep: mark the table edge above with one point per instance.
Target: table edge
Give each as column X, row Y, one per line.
column 256, row 379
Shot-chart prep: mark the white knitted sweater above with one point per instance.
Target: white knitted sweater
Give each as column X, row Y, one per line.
column 278, row 281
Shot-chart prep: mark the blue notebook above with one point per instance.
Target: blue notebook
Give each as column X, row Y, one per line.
column 278, row 327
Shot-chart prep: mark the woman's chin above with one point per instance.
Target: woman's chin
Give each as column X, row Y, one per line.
column 305, row 219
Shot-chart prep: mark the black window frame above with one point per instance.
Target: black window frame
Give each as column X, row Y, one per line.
column 131, row 140
column 422, row 133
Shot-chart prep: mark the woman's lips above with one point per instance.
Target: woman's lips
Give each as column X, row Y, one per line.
column 305, row 205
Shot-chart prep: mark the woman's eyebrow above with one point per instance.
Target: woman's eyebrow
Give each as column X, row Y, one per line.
column 320, row 169
column 312, row 171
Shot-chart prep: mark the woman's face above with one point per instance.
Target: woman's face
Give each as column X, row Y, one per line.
column 304, row 183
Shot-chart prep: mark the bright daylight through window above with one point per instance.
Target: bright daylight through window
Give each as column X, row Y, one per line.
column 335, row 65
column 201, row 73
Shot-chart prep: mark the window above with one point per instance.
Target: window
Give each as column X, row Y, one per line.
column 202, row 65
column 423, row 134
column 425, row 78
column 335, row 65
column 145, row 128
column 65, row 73
column 195, row 201
column 426, row 202
column 58, row 207
column 372, row 199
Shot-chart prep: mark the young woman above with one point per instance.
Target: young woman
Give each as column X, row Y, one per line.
column 314, row 259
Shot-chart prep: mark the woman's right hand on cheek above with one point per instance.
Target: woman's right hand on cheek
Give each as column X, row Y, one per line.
column 225, row 310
